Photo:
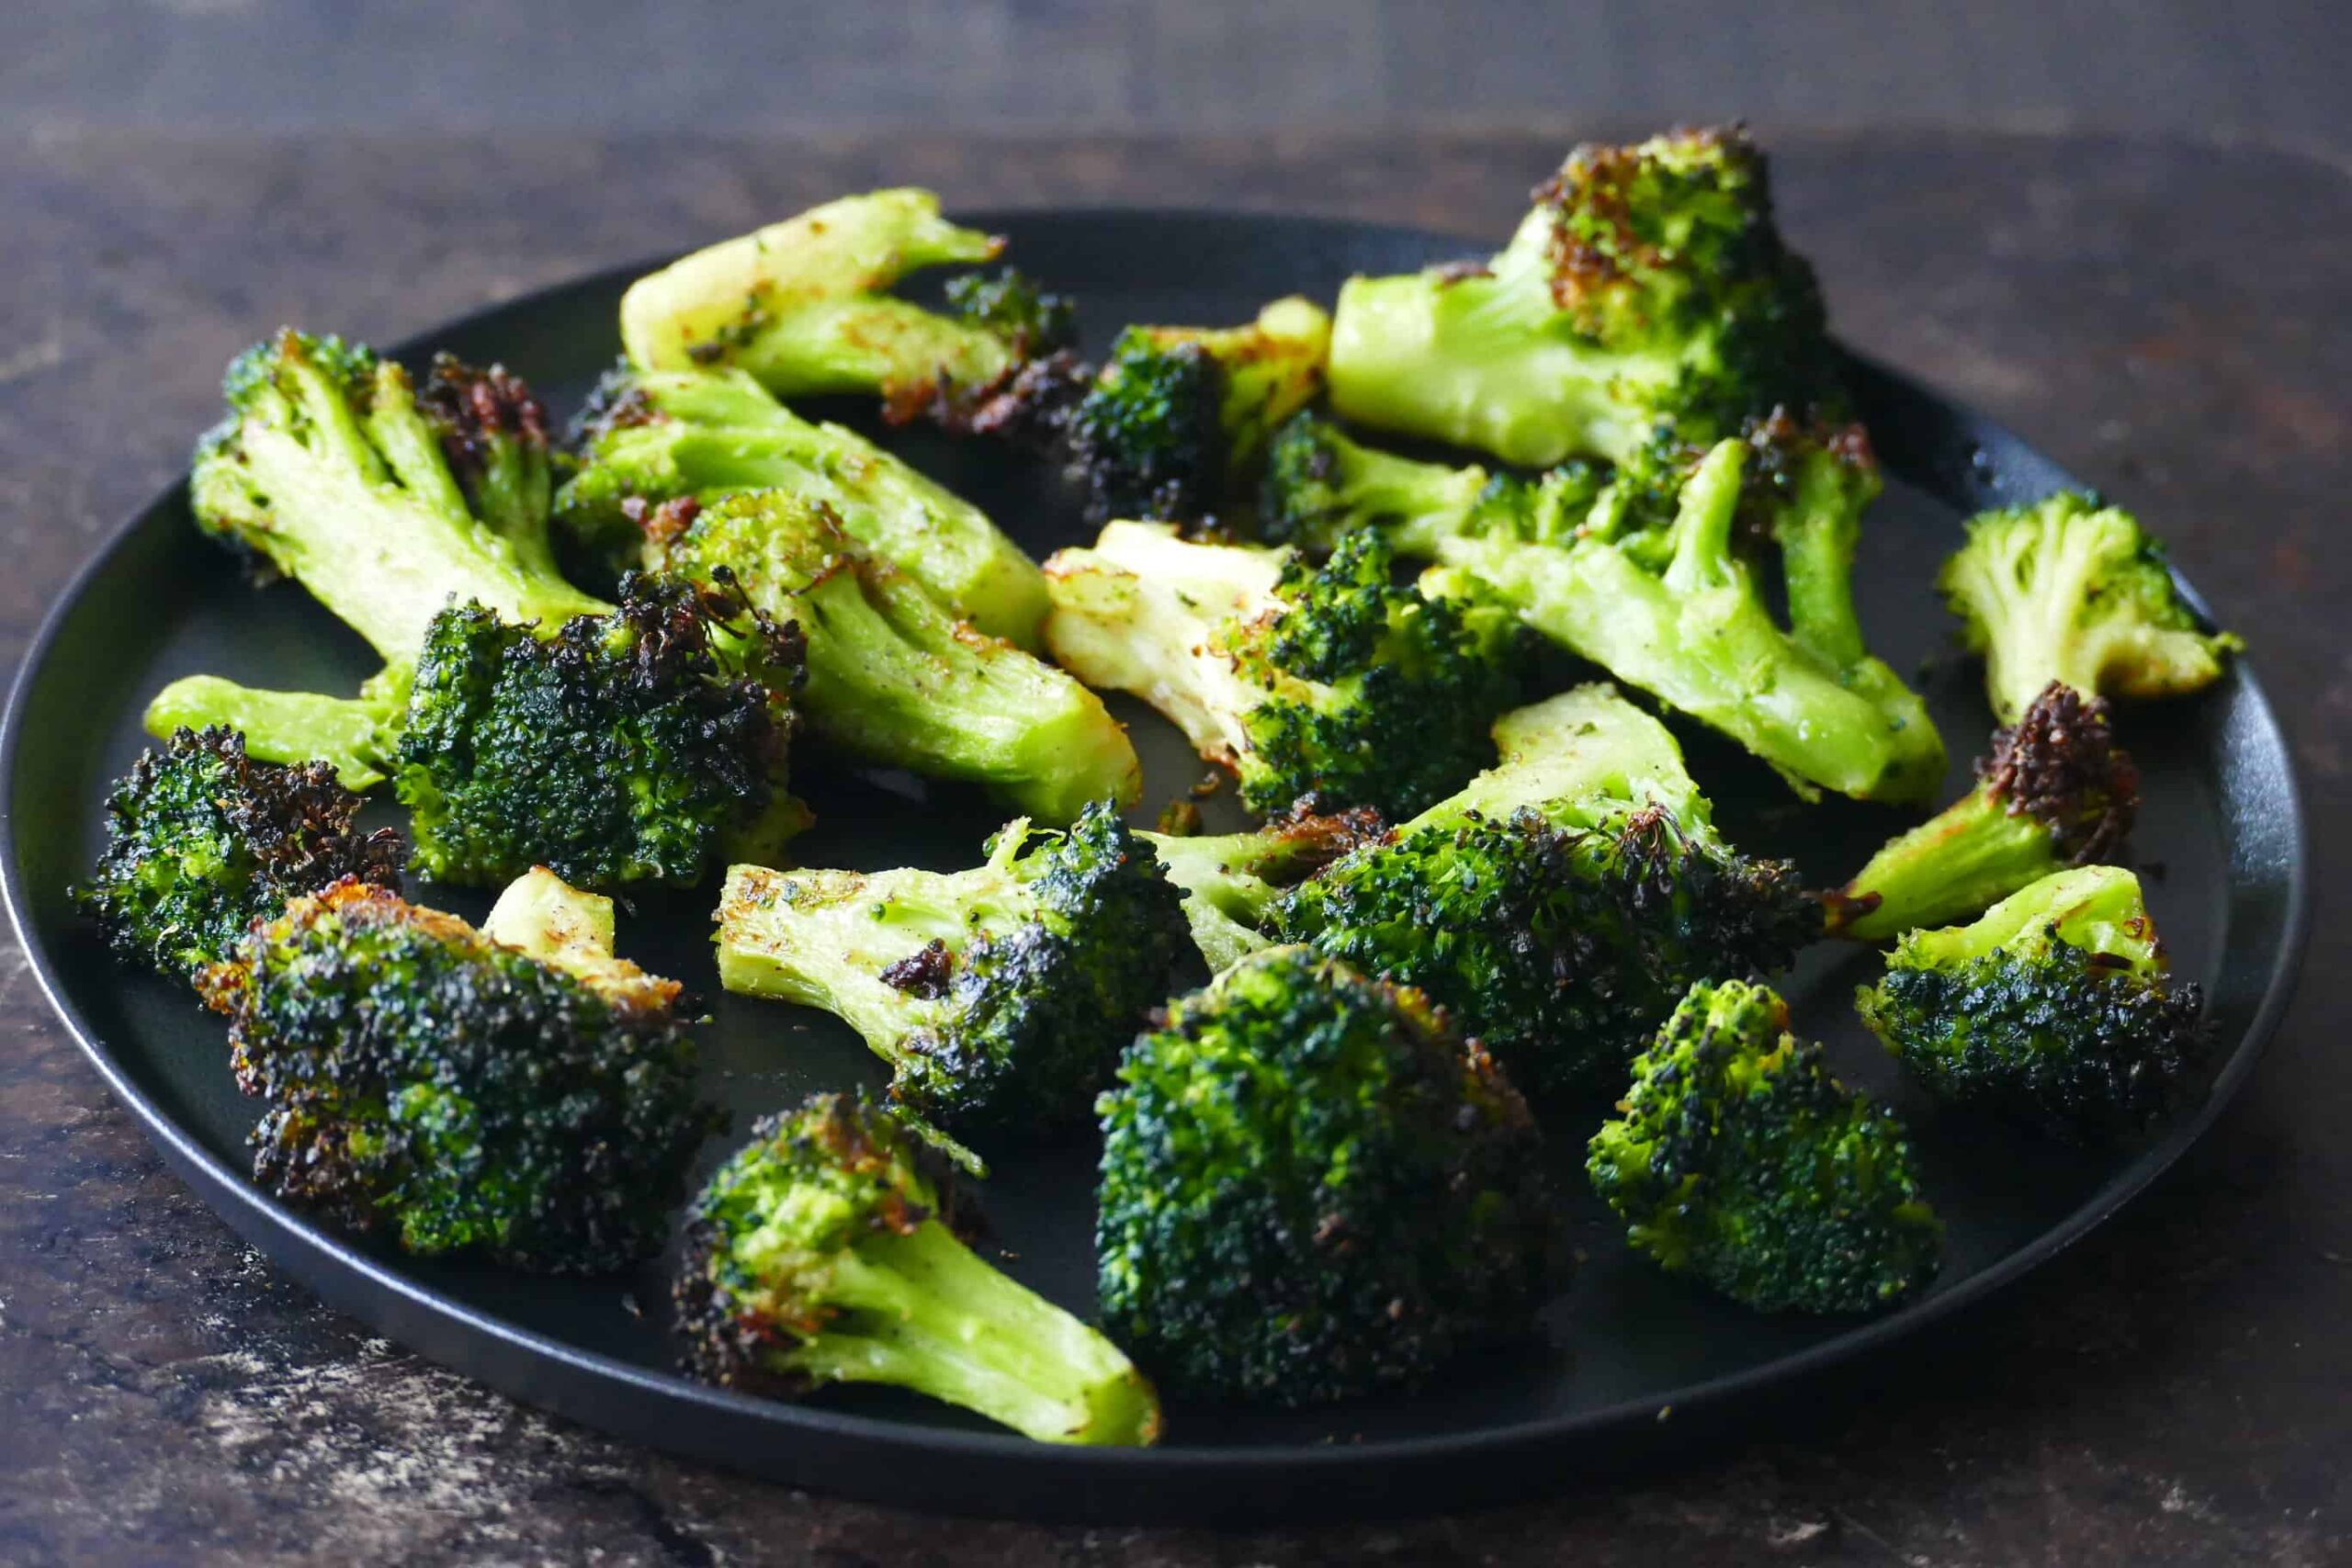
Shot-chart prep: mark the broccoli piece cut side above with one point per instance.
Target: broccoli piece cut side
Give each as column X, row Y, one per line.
column 1000, row 995
column 2053, row 1008
column 1737, row 1159
column 1312, row 1188
column 428, row 1083
column 1331, row 682
column 203, row 840
column 1647, row 289
column 648, row 436
column 2054, row 792
column 824, row 1253
column 2072, row 591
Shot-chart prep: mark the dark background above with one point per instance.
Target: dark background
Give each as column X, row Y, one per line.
column 2122, row 230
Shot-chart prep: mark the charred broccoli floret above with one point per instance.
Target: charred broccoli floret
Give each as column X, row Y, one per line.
column 432, row 1083
column 202, row 840
column 1737, row 1159
column 2052, row 1008
column 892, row 675
column 1330, row 681
column 1000, row 996
column 822, row 1253
column 1313, row 1187
column 651, row 436
column 2073, row 591
column 1646, row 576
column 1647, row 289
column 1230, row 881
column 804, row 306
column 2055, row 791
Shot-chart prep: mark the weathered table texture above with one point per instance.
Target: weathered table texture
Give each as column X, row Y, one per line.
column 2173, row 321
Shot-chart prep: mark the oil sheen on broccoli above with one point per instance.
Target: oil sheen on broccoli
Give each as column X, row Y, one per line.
column 437, row 1086
column 1312, row 1188
column 824, row 1253
column 1330, row 682
column 1000, row 995
column 2073, row 591
column 2053, row 1008
column 1737, row 1159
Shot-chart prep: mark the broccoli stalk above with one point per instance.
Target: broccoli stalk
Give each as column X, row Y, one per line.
column 1655, row 589
column 651, row 436
column 1646, row 289
column 1330, row 682
column 2052, row 1007
column 802, row 306
column 998, row 995
column 822, row 1253
column 1736, row 1157
column 1231, row 881
column 2055, row 791
column 2072, row 591
column 892, row 675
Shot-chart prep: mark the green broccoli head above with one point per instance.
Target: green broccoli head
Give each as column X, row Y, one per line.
column 1015, row 308
column 2052, row 1008
column 428, row 1083
column 822, row 1253
column 2055, row 791
column 1647, row 289
column 1313, row 1187
column 1329, row 680
column 202, row 840
column 1738, row 1159
column 1000, row 995
column 2073, row 591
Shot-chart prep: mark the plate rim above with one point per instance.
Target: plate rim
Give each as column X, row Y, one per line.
column 375, row 1292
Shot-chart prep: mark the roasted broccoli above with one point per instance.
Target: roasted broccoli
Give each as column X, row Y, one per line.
column 1313, row 1187
column 649, row 435
column 822, row 1253
column 202, row 840
column 1330, row 681
column 892, row 675
column 2052, row 1008
column 1737, row 1159
column 803, row 306
column 1230, row 881
column 430, row 1083
column 1648, row 290
column 1646, row 575
column 1000, row 996
column 2055, row 791
column 2073, row 591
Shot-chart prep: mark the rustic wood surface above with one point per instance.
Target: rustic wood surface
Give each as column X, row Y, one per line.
column 2170, row 320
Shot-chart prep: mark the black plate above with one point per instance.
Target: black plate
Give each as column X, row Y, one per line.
column 1626, row 1343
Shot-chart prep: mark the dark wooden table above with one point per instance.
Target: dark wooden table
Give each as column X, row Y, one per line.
column 2170, row 320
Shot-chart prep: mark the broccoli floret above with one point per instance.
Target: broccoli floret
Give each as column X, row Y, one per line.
column 1000, row 996
column 2055, row 791
column 803, row 306
column 892, row 675
column 1230, row 881
column 1330, row 681
column 1647, row 289
column 1016, row 308
column 2053, row 1008
column 202, row 840
column 822, row 1253
column 624, row 748
column 1649, row 580
column 650, row 435
column 1738, row 1159
column 1313, row 1187
column 2073, row 591
column 427, row 1082
column 1561, row 904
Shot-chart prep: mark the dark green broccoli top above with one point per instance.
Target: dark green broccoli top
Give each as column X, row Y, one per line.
column 1147, row 438
column 1311, row 1188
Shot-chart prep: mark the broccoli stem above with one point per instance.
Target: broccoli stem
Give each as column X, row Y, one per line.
column 1587, row 744
column 2096, row 908
column 346, row 733
column 823, row 938
column 1974, row 852
column 1226, row 890
column 922, row 1311
column 1818, row 535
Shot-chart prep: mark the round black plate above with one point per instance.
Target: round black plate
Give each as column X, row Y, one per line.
column 2222, row 838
